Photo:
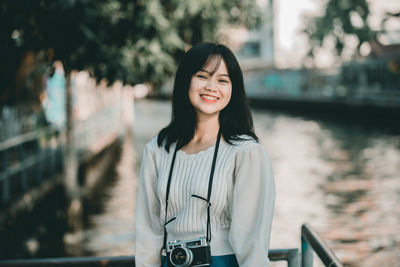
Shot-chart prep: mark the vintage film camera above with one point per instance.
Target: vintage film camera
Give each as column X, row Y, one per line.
column 182, row 253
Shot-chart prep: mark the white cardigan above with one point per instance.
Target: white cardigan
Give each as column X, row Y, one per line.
column 242, row 201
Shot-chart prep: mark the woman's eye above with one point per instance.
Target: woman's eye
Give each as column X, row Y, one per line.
column 223, row 81
column 201, row 76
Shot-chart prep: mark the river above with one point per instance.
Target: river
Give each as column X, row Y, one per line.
column 340, row 176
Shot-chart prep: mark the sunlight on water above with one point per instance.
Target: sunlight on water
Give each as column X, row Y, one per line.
column 298, row 167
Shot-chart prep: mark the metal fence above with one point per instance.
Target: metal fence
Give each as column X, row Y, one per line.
column 27, row 159
column 31, row 152
column 311, row 241
column 17, row 120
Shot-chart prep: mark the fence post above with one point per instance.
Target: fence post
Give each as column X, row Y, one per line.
column 39, row 163
column 306, row 253
column 293, row 259
column 23, row 176
column 5, row 177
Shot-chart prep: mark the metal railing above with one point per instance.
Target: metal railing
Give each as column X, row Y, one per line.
column 121, row 261
column 289, row 255
column 27, row 159
column 310, row 242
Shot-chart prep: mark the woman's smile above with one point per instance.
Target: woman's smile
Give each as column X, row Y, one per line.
column 209, row 98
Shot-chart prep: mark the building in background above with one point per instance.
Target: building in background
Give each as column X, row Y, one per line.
column 255, row 44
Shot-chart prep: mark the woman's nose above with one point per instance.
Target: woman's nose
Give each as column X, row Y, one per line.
column 211, row 85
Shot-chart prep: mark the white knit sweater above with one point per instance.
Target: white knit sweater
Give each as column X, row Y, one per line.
column 242, row 201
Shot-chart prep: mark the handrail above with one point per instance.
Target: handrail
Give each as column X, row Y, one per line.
column 29, row 136
column 290, row 255
column 310, row 237
column 28, row 160
column 115, row 261
column 311, row 241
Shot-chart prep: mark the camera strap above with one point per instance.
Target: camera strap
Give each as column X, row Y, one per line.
column 208, row 233
column 208, row 236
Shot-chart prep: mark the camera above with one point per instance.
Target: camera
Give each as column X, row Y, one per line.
column 194, row 252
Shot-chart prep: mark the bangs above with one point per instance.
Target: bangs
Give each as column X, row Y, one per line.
column 212, row 63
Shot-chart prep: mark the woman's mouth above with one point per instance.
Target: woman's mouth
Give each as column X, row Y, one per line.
column 209, row 98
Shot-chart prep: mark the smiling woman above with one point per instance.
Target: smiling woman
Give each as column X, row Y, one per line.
column 216, row 181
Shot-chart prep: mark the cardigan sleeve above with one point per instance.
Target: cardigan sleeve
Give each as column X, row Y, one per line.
column 252, row 206
column 149, row 231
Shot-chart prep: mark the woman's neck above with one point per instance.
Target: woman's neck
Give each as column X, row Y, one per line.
column 206, row 130
column 205, row 136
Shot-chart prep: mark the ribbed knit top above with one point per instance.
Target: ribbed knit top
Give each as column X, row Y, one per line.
column 242, row 201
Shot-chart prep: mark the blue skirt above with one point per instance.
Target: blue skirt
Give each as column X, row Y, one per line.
column 217, row 261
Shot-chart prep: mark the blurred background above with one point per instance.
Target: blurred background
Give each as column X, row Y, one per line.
column 84, row 85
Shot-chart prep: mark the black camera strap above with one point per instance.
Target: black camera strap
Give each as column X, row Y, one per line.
column 210, row 187
column 208, row 233
column 167, row 198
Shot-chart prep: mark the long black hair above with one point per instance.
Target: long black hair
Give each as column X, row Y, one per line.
column 235, row 119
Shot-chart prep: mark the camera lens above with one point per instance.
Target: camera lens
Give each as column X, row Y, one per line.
column 181, row 257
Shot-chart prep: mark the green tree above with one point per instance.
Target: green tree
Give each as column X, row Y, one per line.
column 341, row 18
column 199, row 20
column 129, row 40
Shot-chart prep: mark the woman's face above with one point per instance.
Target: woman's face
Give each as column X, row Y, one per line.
column 209, row 93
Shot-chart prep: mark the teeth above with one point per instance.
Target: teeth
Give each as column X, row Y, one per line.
column 209, row 97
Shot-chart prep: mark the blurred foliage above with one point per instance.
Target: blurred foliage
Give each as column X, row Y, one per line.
column 341, row 19
column 198, row 20
column 388, row 16
column 133, row 41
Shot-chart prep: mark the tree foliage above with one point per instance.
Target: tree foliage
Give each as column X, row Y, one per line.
column 198, row 20
column 129, row 40
column 341, row 19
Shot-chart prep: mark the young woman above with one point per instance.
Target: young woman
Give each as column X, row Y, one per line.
column 206, row 189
